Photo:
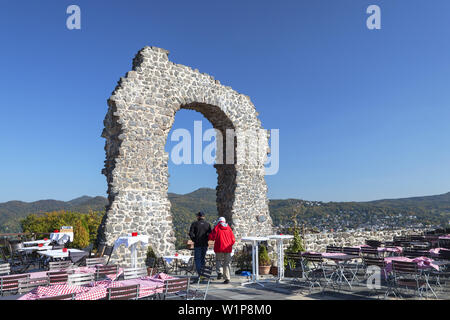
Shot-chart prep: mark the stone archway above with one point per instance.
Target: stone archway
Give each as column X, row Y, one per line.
column 140, row 115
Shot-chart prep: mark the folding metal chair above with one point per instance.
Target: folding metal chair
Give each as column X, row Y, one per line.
column 60, row 265
column 28, row 284
column 90, row 262
column 80, row 279
column 123, row 293
column 198, row 292
column 10, row 284
column 58, row 276
column 333, row 249
column 407, row 275
column 134, row 273
column 5, row 269
column 103, row 272
column 176, row 288
column 314, row 270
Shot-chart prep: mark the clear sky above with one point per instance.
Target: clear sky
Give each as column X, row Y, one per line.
column 363, row 114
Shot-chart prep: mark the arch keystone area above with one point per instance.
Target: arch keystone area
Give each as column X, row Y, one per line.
column 141, row 112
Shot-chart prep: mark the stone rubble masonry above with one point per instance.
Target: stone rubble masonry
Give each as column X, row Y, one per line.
column 318, row 242
column 141, row 112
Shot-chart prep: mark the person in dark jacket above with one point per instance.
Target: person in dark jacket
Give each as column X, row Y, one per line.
column 223, row 246
column 199, row 233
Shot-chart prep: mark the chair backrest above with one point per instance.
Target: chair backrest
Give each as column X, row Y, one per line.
column 79, row 279
column 95, row 261
column 173, row 286
column 78, row 257
column 108, row 251
column 373, row 243
column 417, row 237
column 11, row 282
column 5, row 269
column 369, row 251
column 411, row 253
column 404, row 267
column 374, row 261
column 88, row 249
column 69, row 296
column 444, row 243
column 123, row 293
column 206, row 272
column 351, row 251
column 333, row 249
column 60, row 265
column 133, row 273
column 28, row 284
column 313, row 257
column 444, row 254
column 57, row 276
column 103, row 271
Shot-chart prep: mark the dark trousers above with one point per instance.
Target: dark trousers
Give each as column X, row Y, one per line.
column 199, row 257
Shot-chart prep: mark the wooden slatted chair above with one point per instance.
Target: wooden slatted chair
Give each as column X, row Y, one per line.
column 334, row 249
column 369, row 251
column 90, row 262
column 123, row 293
column 102, row 272
column 60, row 265
column 315, row 271
column 28, row 284
column 10, row 284
column 379, row 262
column 5, row 269
column 414, row 253
column 407, row 275
column 134, row 273
column 80, row 279
column 70, row 296
column 373, row 243
column 58, row 276
column 176, row 288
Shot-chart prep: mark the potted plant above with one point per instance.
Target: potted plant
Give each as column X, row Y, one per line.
column 264, row 260
column 150, row 260
column 291, row 259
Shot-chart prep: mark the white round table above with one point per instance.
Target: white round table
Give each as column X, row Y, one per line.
column 130, row 242
column 280, row 254
column 255, row 266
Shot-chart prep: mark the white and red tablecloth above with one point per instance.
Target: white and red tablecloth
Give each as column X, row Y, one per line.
column 98, row 289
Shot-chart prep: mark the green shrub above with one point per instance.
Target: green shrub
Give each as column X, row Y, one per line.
column 264, row 259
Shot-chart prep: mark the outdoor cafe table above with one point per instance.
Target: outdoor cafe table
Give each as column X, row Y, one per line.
column 98, row 289
column 424, row 264
column 445, row 237
column 58, row 254
column 280, row 238
column 131, row 242
column 175, row 258
column 255, row 257
column 37, row 242
column 341, row 260
column 35, row 248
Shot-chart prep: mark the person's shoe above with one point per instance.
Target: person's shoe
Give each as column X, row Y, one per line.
column 219, row 276
column 226, row 281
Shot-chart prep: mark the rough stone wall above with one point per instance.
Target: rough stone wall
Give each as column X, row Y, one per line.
column 319, row 241
column 141, row 113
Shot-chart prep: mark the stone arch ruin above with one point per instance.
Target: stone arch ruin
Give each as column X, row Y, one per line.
column 141, row 112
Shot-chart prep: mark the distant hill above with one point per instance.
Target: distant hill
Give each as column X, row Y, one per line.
column 12, row 212
column 432, row 210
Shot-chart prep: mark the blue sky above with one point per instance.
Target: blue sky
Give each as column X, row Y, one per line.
column 363, row 114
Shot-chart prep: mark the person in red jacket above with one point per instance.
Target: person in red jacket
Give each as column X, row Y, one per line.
column 223, row 238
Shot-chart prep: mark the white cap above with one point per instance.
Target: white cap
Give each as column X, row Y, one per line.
column 222, row 219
